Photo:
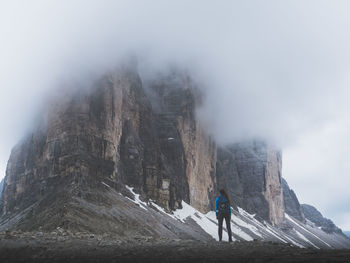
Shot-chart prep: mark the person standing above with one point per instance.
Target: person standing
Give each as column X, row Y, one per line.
column 223, row 211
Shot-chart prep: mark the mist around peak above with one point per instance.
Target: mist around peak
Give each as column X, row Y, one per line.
column 269, row 69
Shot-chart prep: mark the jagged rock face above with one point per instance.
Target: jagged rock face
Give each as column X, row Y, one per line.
column 24, row 179
column 273, row 185
column 291, row 203
column 125, row 131
column 312, row 214
column 112, row 132
column 72, row 171
column 79, row 141
column 251, row 173
column 175, row 100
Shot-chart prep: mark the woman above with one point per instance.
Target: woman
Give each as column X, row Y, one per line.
column 223, row 210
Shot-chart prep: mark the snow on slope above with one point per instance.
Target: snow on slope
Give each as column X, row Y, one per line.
column 246, row 227
column 289, row 218
column 206, row 222
column 137, row 199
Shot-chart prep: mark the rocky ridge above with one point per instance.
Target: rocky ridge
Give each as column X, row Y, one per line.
column 291, row 202
column 77, row 169
column 119, row 133
column 251, row 172
column 312, row 214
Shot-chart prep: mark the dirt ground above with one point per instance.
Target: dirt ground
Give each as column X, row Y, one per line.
column 84, row 247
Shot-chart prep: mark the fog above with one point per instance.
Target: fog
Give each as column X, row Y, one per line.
column 276, row 70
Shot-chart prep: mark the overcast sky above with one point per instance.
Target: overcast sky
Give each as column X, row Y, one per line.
column 277, row 70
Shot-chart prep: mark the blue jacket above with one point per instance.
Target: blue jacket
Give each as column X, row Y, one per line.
column 218, row 200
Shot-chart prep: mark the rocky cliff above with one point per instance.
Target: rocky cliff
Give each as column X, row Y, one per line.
column 251, row 172
column 291, row 203
column 126, row 133
column 114, row 132
column 174, row 99
column 144, row 135
column 312, row 214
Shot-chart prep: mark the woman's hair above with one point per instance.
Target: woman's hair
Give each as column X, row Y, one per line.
column 223, row 192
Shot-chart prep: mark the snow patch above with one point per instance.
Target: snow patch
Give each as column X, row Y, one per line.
column 270, row 230
column 244, row 224
column 137, row 199
column 293, row 242
column 205, row 222
column 161, row 209
column 299, row 225
column 105, row 184
column 300, row 235
column 244, row 213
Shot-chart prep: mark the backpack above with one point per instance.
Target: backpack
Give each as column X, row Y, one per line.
column 223, row 205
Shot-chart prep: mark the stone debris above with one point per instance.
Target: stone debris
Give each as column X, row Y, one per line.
column 146, row 249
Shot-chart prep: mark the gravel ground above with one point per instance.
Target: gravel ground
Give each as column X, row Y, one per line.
column 60, row 246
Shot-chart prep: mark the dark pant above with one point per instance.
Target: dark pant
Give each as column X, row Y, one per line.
column 227, row 217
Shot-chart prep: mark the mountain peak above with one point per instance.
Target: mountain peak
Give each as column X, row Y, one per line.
column 128, row 155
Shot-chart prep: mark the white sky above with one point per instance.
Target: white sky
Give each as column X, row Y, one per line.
column 273, row 69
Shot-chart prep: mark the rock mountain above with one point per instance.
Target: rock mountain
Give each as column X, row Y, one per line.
column 98, row 151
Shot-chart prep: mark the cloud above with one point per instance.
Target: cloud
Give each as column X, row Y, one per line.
column 271, row 69
column 317, row 166
column 343, row 220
